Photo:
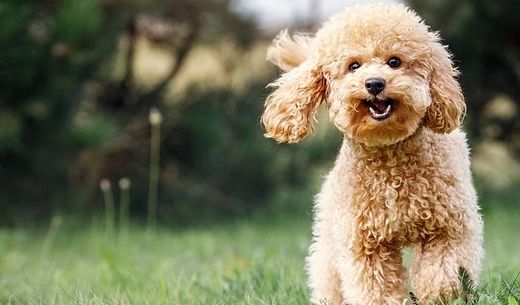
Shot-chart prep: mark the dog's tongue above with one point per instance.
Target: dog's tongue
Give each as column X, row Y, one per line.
column 379, row 105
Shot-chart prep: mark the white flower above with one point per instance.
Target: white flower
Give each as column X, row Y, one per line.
column 105, row 185
column 124, row 183
column 155, row 116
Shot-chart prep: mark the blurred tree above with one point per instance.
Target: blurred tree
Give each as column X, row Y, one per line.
column 174, row 26
column 485, row 39
column 198, row 126
column 67, row 120
column 49, row 49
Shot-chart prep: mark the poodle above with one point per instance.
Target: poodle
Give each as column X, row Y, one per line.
column 402, row 177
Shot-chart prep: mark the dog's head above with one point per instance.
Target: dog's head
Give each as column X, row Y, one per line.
column 379, row 70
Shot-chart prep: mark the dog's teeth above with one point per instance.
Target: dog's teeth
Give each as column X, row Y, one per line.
column 377, row 115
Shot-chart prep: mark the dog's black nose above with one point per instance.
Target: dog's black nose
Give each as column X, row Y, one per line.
column 375, row 85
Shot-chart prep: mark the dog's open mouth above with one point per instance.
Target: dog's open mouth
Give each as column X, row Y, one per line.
column 379, row 109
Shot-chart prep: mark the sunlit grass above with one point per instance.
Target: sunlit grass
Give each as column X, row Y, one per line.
column 249, row 262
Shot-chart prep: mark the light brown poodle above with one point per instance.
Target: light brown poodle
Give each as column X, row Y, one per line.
column 402, row 177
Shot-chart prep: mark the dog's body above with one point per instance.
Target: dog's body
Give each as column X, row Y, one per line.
column 376, row 201
column 402, row 177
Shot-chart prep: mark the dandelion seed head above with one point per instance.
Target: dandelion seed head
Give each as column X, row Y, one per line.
column 155, row 117
column 105, row 185
column 124, row 183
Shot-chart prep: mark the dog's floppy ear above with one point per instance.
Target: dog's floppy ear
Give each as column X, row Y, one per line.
column 448, row 106
column 291, row 108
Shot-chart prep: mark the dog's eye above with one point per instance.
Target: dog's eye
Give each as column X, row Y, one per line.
column 394, row 62
column 353, row 66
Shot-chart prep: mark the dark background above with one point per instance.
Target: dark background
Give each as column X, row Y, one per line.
column 78, row 79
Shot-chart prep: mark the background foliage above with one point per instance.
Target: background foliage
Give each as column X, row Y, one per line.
column 78, row 78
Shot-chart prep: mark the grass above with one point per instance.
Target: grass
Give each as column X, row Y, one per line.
column 248, row 262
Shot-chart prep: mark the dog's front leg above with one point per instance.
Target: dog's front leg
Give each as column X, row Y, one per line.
column 373, row 275
column 438, row 263
column 324, row 281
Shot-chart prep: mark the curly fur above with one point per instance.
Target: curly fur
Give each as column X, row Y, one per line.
column 401, row 182
column 288, row 52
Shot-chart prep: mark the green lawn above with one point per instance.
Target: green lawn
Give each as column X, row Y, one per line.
column 256, row 262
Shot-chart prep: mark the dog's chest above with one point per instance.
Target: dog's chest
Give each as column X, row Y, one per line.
column 403, row 198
